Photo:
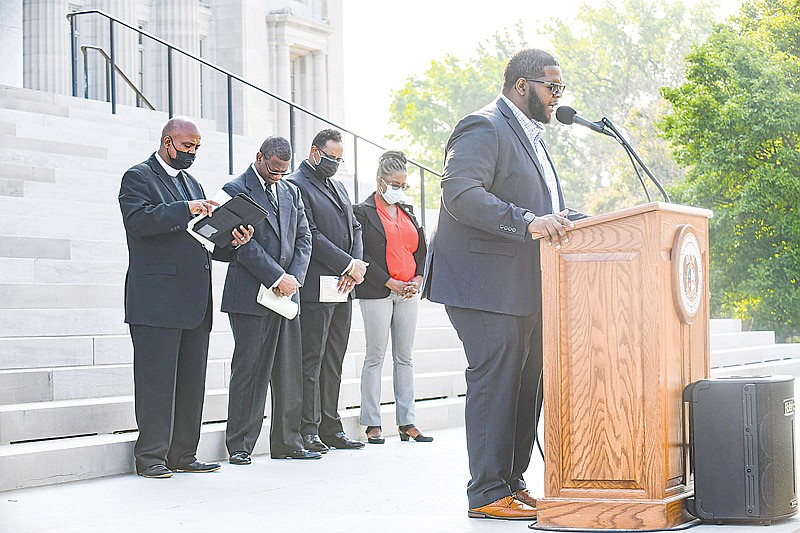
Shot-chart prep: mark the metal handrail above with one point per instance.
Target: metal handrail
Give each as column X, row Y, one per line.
column 230, row 77
column 84, row 49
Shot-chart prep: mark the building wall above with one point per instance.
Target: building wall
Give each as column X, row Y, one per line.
column 292, row 48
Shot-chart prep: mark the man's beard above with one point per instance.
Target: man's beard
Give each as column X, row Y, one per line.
column 537, row 109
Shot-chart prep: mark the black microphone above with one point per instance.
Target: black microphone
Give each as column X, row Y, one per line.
column 566, row 115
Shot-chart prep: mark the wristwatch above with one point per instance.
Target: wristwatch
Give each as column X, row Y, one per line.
column 528, row 217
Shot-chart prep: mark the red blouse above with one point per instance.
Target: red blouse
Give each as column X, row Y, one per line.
column 402, row 240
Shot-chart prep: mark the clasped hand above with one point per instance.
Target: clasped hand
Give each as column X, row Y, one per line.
column 406, row 289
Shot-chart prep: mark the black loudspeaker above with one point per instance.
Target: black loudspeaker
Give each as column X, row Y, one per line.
column 742, row 448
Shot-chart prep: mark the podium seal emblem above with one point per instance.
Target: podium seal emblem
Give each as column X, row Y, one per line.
column 687, row 274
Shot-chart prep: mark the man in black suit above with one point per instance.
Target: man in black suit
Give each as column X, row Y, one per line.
column 267, row 350
column 325, row 325
column 498, row 187
column 168, row 301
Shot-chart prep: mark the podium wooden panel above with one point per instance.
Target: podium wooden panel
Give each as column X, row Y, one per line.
column 617, row 356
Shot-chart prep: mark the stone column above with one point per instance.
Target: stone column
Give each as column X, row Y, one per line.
column 46, row 46
column 283, row 85
column 177, row 22
column 11, row 42
column 125, row 45
column 320, row 81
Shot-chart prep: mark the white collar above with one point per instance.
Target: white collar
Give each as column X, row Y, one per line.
column 168, row 169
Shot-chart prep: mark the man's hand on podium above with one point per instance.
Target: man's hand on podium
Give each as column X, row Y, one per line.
column 552, row 228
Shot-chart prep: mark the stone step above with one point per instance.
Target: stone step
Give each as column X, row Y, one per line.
column 63, row 460
column 87, row 378
column 783, row 367
column 754, row 354
column 742, row 339
column 57, row 208
column 24, row 422
column 52, row 227
column 725, row 325
column 27, row 172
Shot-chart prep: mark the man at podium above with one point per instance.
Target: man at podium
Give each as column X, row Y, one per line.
column 498, row 187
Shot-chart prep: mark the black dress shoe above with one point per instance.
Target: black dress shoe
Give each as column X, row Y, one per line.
column 240, row 458
column 314, row 444
column 298, row 454
column 198, row 467
column 156, row 471
column 342, row 442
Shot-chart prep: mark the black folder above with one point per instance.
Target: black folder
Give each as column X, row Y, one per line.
column 240, row 210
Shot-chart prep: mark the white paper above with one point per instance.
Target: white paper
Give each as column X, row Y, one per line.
column 221, row 197
column 283, row 305
column 329, row 290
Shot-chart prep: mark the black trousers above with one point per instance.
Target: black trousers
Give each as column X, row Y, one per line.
column 325, row 331
column 504, row 353
column 169, row 374
column 267, row 354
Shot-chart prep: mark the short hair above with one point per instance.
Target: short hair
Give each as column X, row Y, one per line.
column 527, row 63
column 276, row 146
column 391, row 162
column 328, row 134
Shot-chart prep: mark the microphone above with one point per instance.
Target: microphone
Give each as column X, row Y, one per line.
column 566, row 115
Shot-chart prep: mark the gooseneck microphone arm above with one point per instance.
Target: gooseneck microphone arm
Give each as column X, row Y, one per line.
column 633, row 155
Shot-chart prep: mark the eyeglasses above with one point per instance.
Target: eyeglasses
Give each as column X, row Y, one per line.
column 403, row 187
column 327, row 156
column 556, row 89
column 274, row 172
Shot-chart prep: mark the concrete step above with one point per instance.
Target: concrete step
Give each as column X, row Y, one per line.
column 725, row 325
column 94, row 380
column 52, row 227
column 754, row 354
column 782, row 367
column 742, row 339
column 63, row 460
column 24, row 422
column 27, row 172
column 57, row 208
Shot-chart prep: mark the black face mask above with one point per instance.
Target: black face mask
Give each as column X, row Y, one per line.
column 182, row 160
column 326, row 167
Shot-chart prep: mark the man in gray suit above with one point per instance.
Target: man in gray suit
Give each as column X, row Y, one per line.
column 267, row 349
column 498, row 187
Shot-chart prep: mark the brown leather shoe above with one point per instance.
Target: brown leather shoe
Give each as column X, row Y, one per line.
column 525, row 497
column 506, row 508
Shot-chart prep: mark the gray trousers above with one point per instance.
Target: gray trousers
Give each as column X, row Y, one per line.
column 381, row 317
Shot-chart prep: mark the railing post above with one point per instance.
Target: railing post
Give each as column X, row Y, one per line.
column 169, row 80
column 85, row 74
column 230, row 125
column 73, row 56
column 422, row 195
column 108, row 81
column 355, row 169
column 291, row 134
column 113, row 67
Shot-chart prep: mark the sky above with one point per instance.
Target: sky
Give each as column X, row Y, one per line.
column 386, row 41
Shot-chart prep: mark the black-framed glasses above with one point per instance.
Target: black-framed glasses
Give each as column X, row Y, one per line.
column 403, row 187
column 328, row 156
column 274, row 172
column 556, row 89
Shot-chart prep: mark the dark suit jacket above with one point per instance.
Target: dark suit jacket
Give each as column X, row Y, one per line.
column 335, row 232
column 374, row 238
column 273, row 250
column 168, row 282
column 481, row 256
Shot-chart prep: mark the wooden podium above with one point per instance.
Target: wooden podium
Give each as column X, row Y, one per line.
column 625, row 329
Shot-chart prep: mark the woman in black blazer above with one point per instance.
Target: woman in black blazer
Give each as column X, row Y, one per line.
column 394, row 247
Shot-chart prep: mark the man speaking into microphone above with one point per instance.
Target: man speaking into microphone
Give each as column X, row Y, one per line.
column 498, row 187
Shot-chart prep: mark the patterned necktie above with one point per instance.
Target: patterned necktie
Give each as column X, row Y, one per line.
column 272, row 200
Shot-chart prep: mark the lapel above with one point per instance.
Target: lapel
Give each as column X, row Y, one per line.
column 255, row 186
column 285, row 201
column 514, row 123
column 164, row 178
column 316, row 182
column 373, row 216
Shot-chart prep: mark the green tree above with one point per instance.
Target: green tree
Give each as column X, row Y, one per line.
column 614, row 59
column 735, row 125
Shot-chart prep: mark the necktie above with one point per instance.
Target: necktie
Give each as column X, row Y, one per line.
column 333, row 191
column 182, row 188
column 272, row 200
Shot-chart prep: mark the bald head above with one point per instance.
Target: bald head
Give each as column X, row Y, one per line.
column 180, row 134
